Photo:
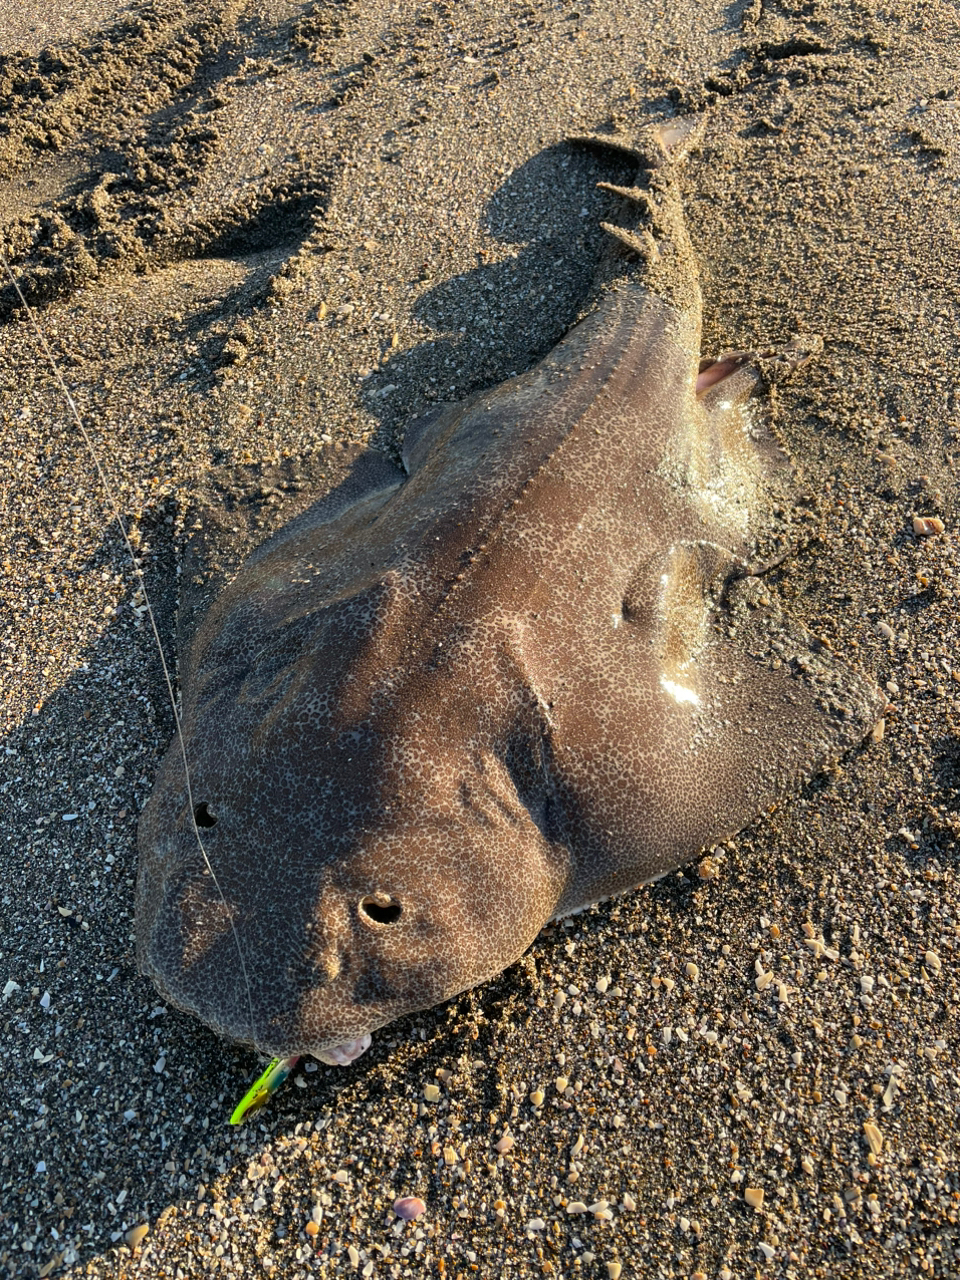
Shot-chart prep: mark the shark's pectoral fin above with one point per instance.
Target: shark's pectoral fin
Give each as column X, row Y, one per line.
column 795, row 703
column 767, row 706
column 243, row 504
column 717, row 712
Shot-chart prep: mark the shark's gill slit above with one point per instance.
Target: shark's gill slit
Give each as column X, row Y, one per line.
column 380, row 909
column 203, row 816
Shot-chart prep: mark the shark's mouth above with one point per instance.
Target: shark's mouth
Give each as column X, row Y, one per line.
column 341, row 1055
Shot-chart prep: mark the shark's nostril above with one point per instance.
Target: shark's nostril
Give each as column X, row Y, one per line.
column 380, row 909
column 203, row 817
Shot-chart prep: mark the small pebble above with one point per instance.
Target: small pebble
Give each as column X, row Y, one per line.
column 932, row 961
column 613, row 1270
column 431, row 1092
column 505, row 1144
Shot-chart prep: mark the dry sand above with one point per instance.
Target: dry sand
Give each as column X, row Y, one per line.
column 250, row 229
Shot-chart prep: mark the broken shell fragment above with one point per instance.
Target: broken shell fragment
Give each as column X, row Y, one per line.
column 136, row 1235
column 926, row 526
column 873, row 1136
column 409, row 1207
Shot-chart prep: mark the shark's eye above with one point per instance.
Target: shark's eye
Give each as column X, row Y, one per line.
column 203, row 817
column 380, row 908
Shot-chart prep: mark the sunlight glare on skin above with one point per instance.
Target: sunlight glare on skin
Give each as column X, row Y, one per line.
column 678, row 692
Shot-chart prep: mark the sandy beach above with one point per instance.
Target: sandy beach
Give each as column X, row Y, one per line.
column 254, row 234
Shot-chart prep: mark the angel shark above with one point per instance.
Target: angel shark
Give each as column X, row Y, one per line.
column 451, row 703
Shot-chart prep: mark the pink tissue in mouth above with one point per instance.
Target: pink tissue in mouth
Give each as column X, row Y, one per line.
column 341, row 1055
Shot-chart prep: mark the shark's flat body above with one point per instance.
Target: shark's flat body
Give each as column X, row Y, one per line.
column 444, row 707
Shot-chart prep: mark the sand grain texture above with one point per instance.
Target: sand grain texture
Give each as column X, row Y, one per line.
column 252, row 232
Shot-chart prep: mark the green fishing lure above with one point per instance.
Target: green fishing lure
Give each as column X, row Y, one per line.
column 263, row 1088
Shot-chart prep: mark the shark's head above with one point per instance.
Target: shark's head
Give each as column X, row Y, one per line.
column 312, row 889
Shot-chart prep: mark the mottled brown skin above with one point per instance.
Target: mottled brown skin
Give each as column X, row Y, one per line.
column 434, row 714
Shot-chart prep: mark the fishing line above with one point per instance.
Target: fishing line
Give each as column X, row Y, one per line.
column 118, row 519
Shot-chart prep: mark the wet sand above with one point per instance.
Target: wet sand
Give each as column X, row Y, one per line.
column 252, row 233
